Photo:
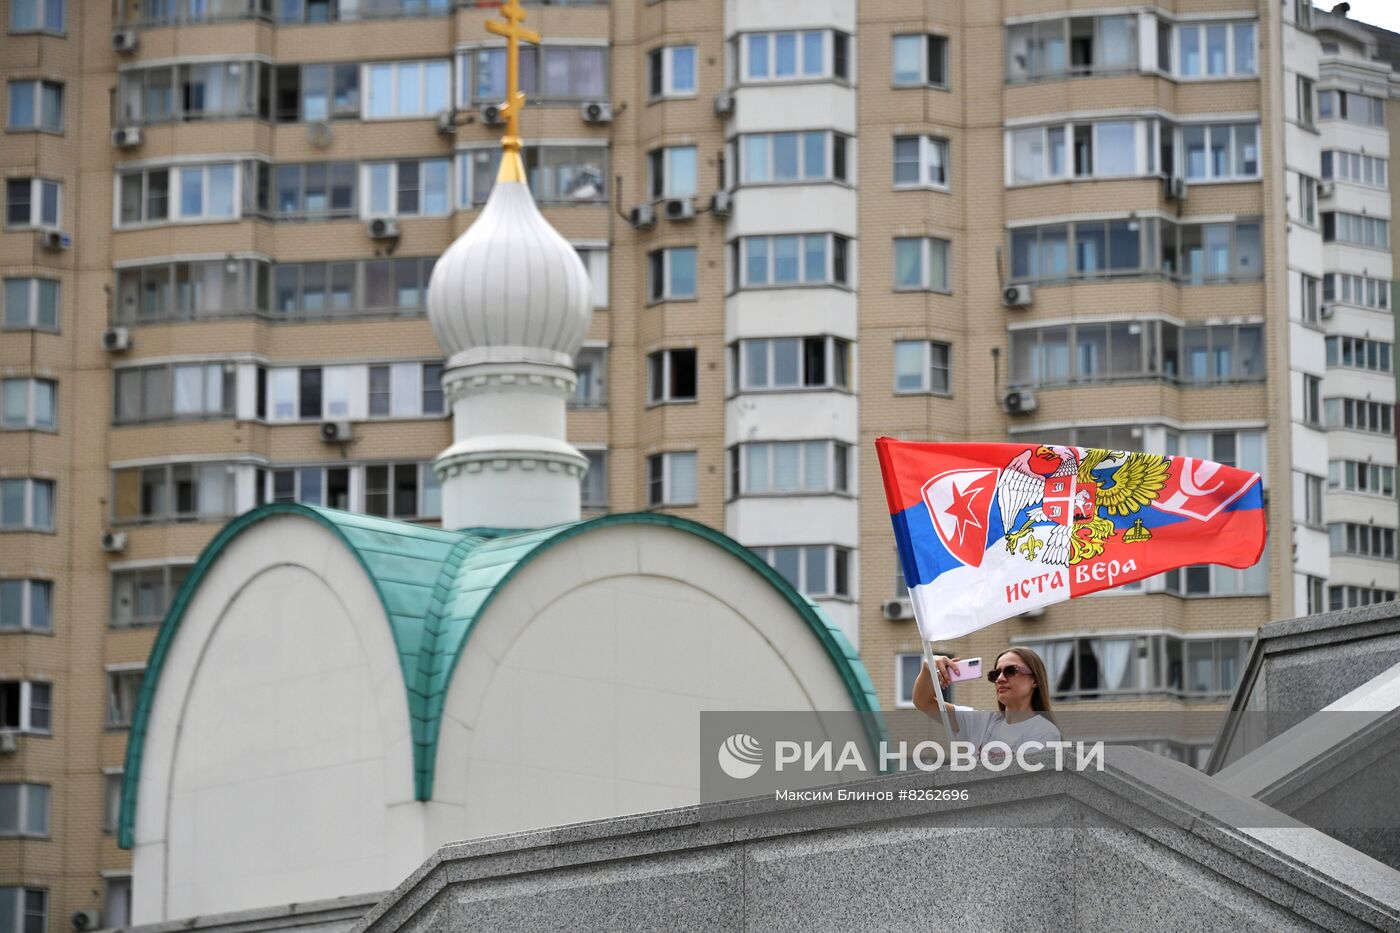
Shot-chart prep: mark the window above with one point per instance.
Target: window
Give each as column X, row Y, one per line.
column 779, row 468
column 28, row 404
column 183, row 193
column 1302, row 13
column 26, row 606
column 1359, row 353
column 26, row 505
column 322, row 486
column 922, row 366
column 671, row 376
column 1137, row 350
column 595, row 260
column 325, row 11
column 1354, row 414
column 1372, row 479
column 1356, row 290
column 174, row 391
column 111, row 799
column 116, row 901
column 1312, row 500
column 1216, row 50
column 30, row 304
column 1355, row 229
column 671, row 478
column 792, row 363
column 1312, row 400
column 143, row 596
column 1220, row 152
column 1071, row 47
column 196, row 91
column 920, row 162
column 123, row 689
column 547, row 73
column 671, row 71
column 1305, row 101
column 26, row 706
column 1354, row 167
column 315, row 191
column 778, row 158
column 671, row 274
column 36, row 105
column 1308, row 298
column 173, row 492
column 783, row 261
column 316, row 93
column 671, row 172
column 591, row 364
column 32, row 202
column 1190, row 253
column 415, row 187
column 819, row 570
column 1350, row 106
column 1242, row 449
column 36, row 16
column 1350, row 597
column 314, row 289
column 1127, row 664
column 920, row 60
column 1314, row 587
column 921, row 263
column 1307, row 200
column 794, row 56
column 593, row 494
column 1106, row 149
column 24, row 810
column 402, row 490
column 557, row 174
column 1350, row 538
column 396, row 90
column 906, row 671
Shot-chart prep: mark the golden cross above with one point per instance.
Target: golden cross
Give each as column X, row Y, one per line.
column 511, row 167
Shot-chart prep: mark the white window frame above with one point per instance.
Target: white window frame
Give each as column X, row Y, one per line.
column 597, row 462
column 119, row 677
column 667, row 458
column 1144, row 158
column 925, row 79
column 928, row 145
column 595, row 257
column 112, row 803
column 42, row 9
column 174, row 199
column 747, row 346
column 1209, row 176
column 594, row 358
column 25, row 622
column 668, row 186
column 664, row 357
column 351, row 482
column 1356, row 290
column 33, row 387
column 926, row 386
column 36, row 204
column 22, row 913
column 26, row 793
column 32, row 303
column 26, row 707
column 768, row 555
column 925, row 266
column 657, row 295
column 800, row 72
column 667, row 60
column 30, row 484
column 1342, row 169
column 367, row 211
column 803, row 280
column 833, row 452
column 37, row 102
column 768, row 175
column 1342, row 477
column 397, row 69
column 901, row 688
column 1232, row 72
column 169, row 589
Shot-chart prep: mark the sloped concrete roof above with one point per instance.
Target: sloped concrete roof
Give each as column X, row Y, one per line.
column 434, row 585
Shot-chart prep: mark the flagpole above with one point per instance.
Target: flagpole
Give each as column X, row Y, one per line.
column 937, row 688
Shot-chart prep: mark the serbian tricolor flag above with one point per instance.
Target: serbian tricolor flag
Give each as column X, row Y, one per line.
column 987, row 531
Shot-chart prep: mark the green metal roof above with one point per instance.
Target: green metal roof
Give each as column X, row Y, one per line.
column 434, row 585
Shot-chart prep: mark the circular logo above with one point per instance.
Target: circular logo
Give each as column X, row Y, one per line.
column 741, row 756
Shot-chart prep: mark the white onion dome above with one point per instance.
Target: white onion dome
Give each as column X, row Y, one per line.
column 510, row 289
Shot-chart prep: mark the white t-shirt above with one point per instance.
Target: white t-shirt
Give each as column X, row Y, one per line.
column 981, row 726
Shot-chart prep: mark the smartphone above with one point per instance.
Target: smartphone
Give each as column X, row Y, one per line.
column 968, row 669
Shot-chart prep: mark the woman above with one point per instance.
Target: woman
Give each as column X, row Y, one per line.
column 1023, row 700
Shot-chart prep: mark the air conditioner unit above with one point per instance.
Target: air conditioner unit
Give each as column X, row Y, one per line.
column 898, row 609
column 114, row 542
column 491, row 115
column 1018, row 402
column 125, row 41
column 724, row 104
column 722, row 204
column 1326, row 309
column 84, row 920
column 126, row 137
column 116, row 339
column 336, row 432
column 642, row 217
column 1017, row 296
column 1175, row 188
column 447, row 123
column 9, row 742
column 680, row 209
column 319, row 134
column 383, row 228
column 596, row 111
column 1326, row 189
column 54, row 239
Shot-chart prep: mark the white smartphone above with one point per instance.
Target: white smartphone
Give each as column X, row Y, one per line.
column 968, row 669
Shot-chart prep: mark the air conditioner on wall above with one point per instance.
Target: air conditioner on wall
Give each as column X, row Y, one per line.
column 335, row 432
column 722, row 204
column 680, row 209
column 383, row 228
column 897, row 610
column 724, row 104
column 1018, row 402
column 642, row 216
column 491, row 115
column 126, row 137
column 114, row 542
column 1017, row 296
column 125, row 41
column 596, row 111
column 116, row 339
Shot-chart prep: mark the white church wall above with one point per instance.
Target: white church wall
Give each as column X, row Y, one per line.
column 579, row 693
column 279, row 738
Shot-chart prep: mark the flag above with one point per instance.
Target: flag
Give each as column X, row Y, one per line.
column 988, row 531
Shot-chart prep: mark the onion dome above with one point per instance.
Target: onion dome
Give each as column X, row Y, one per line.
column 510, row 289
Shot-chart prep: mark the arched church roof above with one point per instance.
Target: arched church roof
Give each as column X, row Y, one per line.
column 434, row 585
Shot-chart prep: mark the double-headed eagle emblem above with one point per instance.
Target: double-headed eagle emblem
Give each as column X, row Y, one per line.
column 1058, row 503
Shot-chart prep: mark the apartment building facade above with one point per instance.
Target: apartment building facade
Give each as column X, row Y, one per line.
column 808, row 224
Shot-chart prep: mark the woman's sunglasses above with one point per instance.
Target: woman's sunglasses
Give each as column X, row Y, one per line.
column 1010, row 670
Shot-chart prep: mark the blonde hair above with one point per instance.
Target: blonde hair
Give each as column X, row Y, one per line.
column 1040, row 696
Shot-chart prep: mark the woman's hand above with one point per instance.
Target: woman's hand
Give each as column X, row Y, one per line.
column 925, row 697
